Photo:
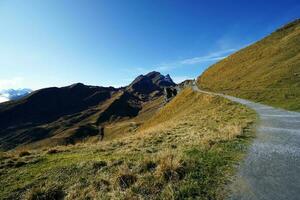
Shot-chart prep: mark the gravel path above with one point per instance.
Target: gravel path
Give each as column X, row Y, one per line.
column 271, row 170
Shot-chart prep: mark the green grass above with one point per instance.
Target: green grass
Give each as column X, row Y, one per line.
column 189, row 154
column 267, row 71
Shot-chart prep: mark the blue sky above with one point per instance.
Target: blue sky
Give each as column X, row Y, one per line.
column 109, row 42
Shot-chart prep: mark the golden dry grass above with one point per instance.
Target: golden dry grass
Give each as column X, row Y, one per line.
column 201, row 117
column 188, row 146
column 267, row 71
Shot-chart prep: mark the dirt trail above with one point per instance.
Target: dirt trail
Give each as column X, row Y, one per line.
column 271, row 170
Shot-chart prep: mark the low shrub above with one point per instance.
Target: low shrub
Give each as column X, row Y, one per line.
column 171, row 169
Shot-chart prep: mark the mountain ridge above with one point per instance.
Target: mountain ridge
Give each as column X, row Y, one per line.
column 53, row 111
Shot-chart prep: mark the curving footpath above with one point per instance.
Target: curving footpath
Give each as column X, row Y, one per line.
column 271, row 169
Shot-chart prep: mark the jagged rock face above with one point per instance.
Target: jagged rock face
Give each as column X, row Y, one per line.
column 170, row 93
column 160, row 80
column 142, row 85
column 185, row 84
column 153, row 81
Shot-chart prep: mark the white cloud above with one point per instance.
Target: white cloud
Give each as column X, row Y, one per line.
column 214, row 56
column 15, row 82
column 179, row 79
column 219, row 55
column 166, row 67
column 3, row 99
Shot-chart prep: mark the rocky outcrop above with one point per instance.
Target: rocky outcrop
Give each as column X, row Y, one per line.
column 170, row 93
column 149, row 83
column 186, row 84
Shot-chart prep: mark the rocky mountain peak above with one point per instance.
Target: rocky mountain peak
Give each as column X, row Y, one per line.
column 153, row 81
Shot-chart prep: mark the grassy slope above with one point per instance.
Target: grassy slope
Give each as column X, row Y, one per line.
column 267, row 71
column 187, row 150
column 115, row 129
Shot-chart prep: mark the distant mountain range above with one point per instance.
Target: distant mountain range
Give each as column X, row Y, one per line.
column 69, row 114
column 13, row 94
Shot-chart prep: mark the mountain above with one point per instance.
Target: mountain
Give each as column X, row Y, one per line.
column 153, row 81
column 13, row 94
column 45, row 105
column 69, row 114
column 267, row 71
column 191, row 144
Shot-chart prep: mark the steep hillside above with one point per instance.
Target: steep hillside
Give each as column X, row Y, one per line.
column 56, row 116
column 267, row 71
column 186, row 150
column 42, row 113
column 49, row 104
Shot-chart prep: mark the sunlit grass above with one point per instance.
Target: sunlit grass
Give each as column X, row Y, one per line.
column 189, row 149
column 267, row 71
